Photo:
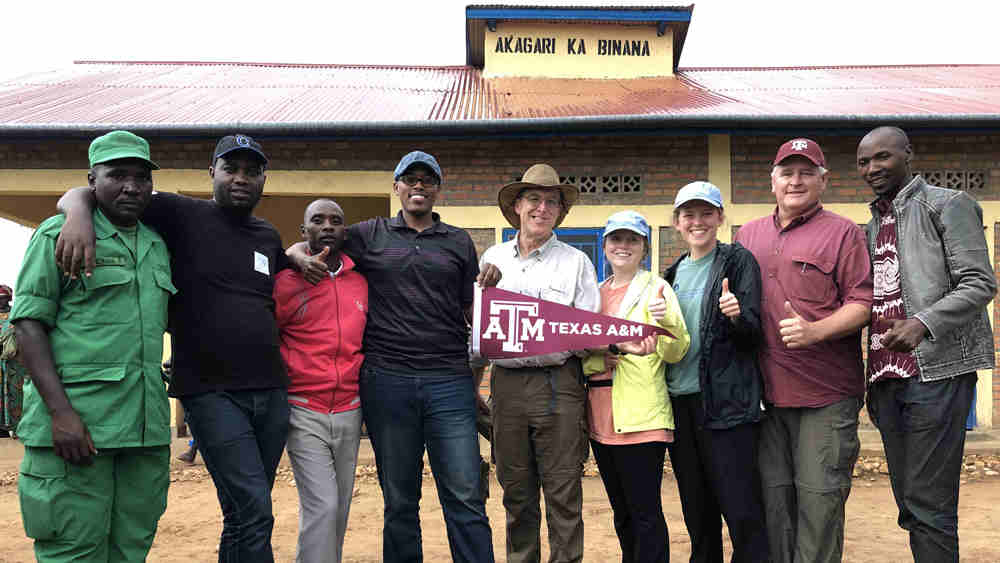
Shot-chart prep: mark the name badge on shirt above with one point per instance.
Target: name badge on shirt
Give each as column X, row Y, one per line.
column 260, row 263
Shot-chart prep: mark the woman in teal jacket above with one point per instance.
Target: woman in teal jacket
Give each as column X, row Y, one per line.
column 628, row 406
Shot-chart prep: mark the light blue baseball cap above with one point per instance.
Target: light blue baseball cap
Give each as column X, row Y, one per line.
column 417, row 157
column 700, row 190
column 629, row 221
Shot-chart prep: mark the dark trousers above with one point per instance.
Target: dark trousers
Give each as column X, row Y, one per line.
column 717, row 476
column 405, row 413
column 241, row 435
column 632, row 475
column 923, row 432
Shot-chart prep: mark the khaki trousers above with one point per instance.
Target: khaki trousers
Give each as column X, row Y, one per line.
column 806, row 458
column 540, row 440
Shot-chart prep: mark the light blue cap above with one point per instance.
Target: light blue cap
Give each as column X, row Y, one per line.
column 417, row 157
column 629, row 221
column 701, row 190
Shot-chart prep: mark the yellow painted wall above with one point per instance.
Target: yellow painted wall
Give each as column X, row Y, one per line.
column 29, row 196
column 279, row 182
column 562, row 64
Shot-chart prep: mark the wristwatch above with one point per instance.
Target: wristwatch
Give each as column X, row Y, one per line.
column 614, row 349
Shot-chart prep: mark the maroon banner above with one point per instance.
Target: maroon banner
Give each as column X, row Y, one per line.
column 511, row 325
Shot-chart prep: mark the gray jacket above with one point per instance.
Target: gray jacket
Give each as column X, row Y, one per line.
column 945, row 275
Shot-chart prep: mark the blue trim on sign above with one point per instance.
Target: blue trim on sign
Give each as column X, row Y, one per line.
column 557, row 14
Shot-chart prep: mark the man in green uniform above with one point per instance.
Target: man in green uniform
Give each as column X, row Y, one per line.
column 95, row 426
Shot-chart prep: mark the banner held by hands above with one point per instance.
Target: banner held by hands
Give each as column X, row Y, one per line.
column 511, row 325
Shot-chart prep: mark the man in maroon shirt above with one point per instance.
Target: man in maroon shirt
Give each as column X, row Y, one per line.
column 817, row 294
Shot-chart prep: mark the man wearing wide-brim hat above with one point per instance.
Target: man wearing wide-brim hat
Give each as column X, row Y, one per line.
column 539, row 430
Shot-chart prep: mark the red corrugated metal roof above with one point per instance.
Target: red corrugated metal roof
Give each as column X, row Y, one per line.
column 92, row 93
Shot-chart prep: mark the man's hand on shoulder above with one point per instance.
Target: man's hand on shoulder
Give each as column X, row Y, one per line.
column 313, row 268
column 76, row 243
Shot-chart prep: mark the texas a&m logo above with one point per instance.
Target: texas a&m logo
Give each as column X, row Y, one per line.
column 519, row 315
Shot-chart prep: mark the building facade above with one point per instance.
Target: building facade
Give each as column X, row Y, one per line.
column 596, row 92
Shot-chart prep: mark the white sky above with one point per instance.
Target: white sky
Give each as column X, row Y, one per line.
column 39, row 36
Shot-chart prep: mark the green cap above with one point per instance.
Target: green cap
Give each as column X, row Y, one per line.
column 119, row 144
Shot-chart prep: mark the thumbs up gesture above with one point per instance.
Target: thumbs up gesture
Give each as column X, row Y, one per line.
column 314, row 267
column 728, row 304
column 796, row 332
column 658, row 306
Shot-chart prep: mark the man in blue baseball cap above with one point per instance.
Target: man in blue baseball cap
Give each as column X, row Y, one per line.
column 417, row 390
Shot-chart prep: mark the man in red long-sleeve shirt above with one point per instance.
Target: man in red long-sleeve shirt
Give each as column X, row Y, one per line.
column 321, row 328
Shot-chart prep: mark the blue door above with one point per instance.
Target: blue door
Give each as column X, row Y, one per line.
column 587, row 240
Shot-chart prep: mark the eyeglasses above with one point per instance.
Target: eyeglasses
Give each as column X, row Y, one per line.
column 536, row 201
column 412, row 179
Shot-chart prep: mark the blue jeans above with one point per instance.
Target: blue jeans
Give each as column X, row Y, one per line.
column 403, row 414
column 241, row 435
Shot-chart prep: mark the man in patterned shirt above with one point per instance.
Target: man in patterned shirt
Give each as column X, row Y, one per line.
column 929, row 334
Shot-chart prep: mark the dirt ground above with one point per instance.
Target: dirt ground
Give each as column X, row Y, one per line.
column 189, row 531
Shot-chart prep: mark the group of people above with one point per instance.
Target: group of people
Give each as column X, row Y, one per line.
column 755, row 393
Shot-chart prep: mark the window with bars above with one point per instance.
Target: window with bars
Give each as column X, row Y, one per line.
column 966, row 180
column 605, row 185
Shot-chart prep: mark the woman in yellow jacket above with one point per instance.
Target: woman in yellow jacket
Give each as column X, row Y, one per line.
column 628, row 406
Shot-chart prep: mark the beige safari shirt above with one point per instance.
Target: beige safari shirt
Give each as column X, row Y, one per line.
column 554, row 272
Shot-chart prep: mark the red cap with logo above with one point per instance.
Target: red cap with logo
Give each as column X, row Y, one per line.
column 801, row 147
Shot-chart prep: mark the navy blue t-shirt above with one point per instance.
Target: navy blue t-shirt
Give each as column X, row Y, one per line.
column 419, row 285
column 221, row 321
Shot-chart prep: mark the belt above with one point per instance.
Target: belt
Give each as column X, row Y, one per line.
column 549, row 367
column 599, row 383
column 549, row 372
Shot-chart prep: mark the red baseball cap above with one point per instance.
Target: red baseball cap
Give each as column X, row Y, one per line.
column 802, row 147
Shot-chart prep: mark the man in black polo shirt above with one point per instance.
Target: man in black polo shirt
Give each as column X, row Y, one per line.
column 417, row 389
column 227, row 369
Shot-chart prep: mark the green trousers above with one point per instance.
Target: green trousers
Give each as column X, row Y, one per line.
column 105, row 512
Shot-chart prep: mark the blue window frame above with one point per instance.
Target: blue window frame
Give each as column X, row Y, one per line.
column 587, row 240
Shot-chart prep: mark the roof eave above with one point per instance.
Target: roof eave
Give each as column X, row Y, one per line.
column 433, row 128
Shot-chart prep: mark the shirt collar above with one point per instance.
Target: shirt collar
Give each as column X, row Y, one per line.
column 398, row 222
column 103, row 228
column 541, row 250
column 883, row 206
column 798, row 220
